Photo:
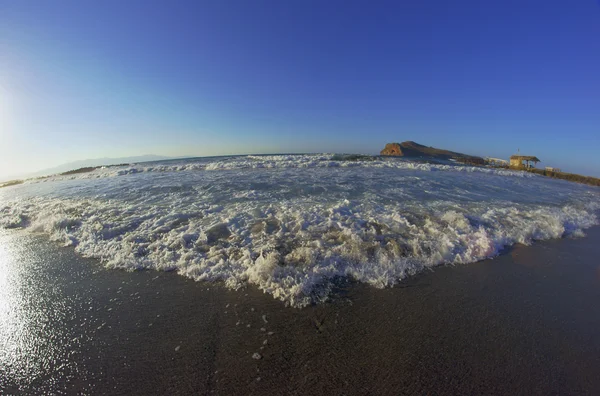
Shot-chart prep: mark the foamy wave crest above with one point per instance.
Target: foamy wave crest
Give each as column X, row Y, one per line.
column 292, row 161
column 333, row 161
column 291, row 248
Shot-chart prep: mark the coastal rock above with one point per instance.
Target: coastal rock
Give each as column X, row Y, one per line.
column 413, row 149
column 392, row 149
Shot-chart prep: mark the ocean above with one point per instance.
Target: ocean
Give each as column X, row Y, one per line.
column 294, row 225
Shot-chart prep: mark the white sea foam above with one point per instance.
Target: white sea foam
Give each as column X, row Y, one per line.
column 275, row 162
column 290, row 230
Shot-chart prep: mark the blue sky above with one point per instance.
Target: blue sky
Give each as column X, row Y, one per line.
column 81, row 79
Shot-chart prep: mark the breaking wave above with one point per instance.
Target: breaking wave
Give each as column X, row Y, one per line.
column 289, row 231
column 278, row 162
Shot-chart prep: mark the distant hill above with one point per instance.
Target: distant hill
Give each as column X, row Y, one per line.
column 413, row 149
column 98, row 162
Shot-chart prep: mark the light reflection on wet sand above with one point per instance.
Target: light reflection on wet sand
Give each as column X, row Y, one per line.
column 35, row 342
column 19, row 325
column 11, row 325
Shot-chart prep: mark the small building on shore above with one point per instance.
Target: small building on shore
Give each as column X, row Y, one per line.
column 523, row 161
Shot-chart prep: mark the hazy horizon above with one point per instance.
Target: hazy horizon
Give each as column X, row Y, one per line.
column 72, row 165
column 101, row 80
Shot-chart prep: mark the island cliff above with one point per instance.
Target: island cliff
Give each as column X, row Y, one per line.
column 413, row 149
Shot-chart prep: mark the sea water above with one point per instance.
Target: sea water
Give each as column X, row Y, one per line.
column 293, row 224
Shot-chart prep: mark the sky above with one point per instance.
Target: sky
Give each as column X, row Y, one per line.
column 83, row 79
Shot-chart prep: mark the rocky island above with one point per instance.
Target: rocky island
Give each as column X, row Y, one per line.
column 413, row 149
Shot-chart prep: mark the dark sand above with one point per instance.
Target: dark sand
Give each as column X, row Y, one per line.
column 527, row 322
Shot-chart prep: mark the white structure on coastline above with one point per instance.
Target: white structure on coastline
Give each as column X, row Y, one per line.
column 495, row 161
column 551, row 169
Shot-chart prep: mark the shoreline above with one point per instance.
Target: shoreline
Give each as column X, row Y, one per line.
column 572, row 177
column 522, row 323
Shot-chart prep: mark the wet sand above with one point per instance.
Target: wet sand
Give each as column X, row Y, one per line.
column 527, row 322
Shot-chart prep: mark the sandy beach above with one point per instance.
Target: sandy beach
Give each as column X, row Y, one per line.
column 523, row 323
